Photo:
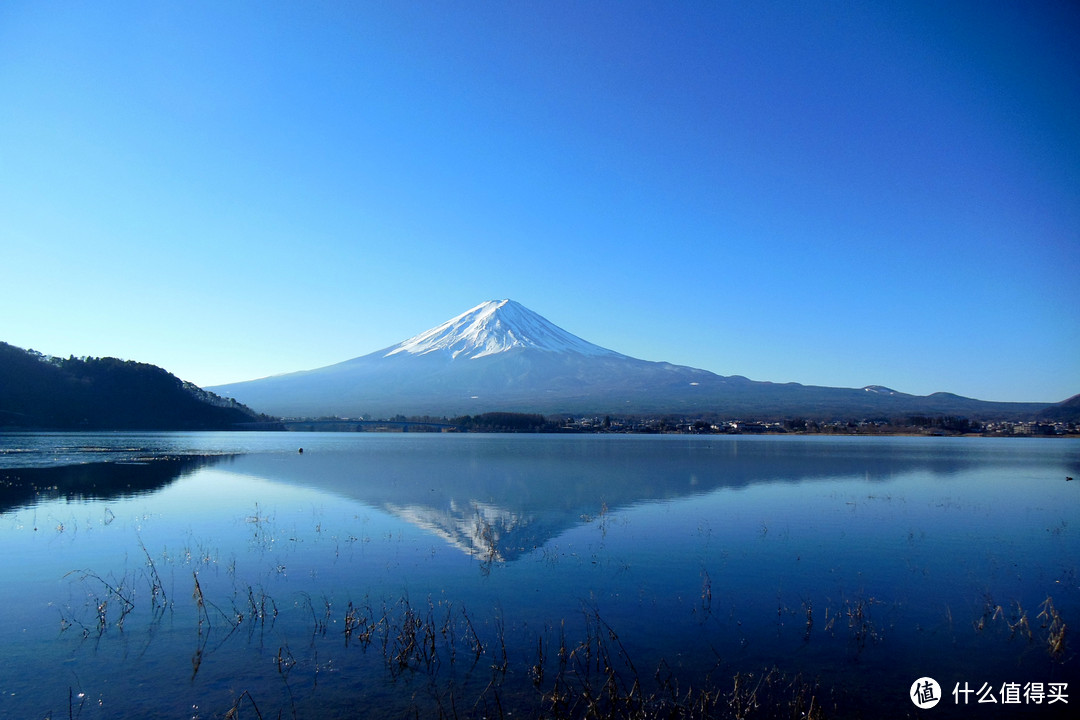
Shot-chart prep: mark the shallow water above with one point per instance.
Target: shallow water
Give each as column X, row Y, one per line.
column 185, row 574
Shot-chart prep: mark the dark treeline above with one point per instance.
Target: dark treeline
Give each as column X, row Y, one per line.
column 37, row 391
column 910, row 424
column 505, row 422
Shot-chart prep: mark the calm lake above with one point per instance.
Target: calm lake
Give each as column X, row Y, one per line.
column 205, row 575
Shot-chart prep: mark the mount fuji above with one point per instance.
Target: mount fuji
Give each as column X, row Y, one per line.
column 501, row 356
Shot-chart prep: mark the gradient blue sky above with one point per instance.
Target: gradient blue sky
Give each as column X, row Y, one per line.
column 832, row 193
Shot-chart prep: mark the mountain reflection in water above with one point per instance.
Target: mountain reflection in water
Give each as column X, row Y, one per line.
column 498, row 505
column 214, row 571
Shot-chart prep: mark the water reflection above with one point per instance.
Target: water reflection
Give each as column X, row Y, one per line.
column 498, row 499
column 24, row 487
column 302, row 584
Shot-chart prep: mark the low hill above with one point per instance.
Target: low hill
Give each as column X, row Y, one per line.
column 1064, row 411
column 40, row 392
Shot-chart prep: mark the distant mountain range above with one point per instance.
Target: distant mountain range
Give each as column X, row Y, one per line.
column 41, row 392
column 501, row 356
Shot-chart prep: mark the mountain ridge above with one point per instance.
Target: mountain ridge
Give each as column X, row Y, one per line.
column 107, row 394
column 501, row 356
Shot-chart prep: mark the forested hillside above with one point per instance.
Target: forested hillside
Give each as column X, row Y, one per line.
column 37, row 391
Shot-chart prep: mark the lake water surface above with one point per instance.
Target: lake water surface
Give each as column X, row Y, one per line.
column 190, row 575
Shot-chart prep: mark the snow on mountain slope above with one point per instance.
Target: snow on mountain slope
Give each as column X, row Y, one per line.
column 494, row 327
column 880, row 390
column 500, row 356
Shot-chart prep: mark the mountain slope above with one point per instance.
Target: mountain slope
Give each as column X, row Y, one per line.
column 495, row 327
column 105, row 394
column 501, row 356
column 1064, row 411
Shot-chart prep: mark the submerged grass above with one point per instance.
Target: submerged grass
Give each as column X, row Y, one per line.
column 458, row 664
column 591, row 677
column 469, row 669
column 1019, row 626
column 1055, row 629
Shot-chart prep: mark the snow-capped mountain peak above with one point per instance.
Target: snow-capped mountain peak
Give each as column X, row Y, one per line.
column 528, row 365
column 494, row 327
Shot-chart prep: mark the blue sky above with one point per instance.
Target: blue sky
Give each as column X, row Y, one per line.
column 830, row 193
